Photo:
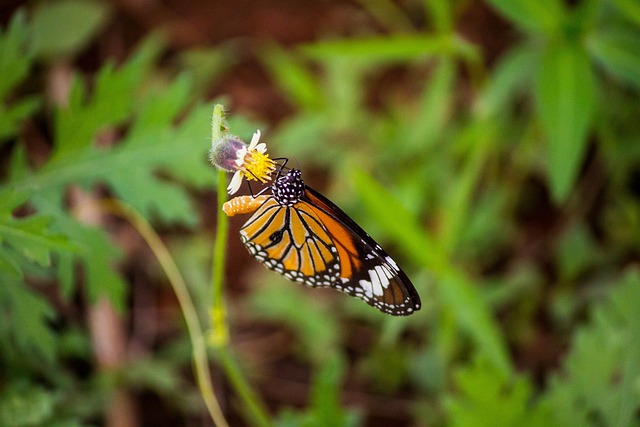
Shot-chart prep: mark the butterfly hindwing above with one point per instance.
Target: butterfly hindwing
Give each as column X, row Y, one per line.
column 367, row 271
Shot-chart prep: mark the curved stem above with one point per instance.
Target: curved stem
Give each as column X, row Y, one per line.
column 200, row 362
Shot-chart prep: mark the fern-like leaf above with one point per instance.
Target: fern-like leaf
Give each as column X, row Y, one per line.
column 599, row 383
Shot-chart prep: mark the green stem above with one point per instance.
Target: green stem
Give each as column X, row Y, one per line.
column 256, row 412
column 219, row 335
column 162, row 254
column 218, row 123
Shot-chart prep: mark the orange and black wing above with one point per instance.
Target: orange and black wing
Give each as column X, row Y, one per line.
column 292, row 242
column 366, row 270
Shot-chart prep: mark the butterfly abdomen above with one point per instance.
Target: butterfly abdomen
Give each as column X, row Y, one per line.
column 243, row 205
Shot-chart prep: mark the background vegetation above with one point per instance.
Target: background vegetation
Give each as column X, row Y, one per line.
column 493, row 147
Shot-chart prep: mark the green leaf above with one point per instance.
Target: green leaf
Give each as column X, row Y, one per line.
column 113, row 100
column 153, row 131
column 18, row 164
column 287, row 303
column 618, row 51
column 206, row 64
column 459, row 295
column 400, row 224
column 387, row 367
column 192, row 166
column 153, row 144
column 392, row 48
column 159, row 109
column 344, row 87
column 566, row 100
column 131, row 168
column 12, row 117
column 300, row 136
column 15, row 61
column 31, row 236
column 64, row 27
column 162, row 200
column 26, row 235
column 102, row 276
column 23, row 405
column 630, row 9
column 575, row 252
column 434, row 109
column 294, row 78
column 487, row 398
column 532, row 15
column 442, row 14
column 174, row 150
column 511, row 77
column 10, row 264
column 458, row 201
column 11, row 199
column 598, row 385
column 324, row 408
column 98, row 256
column 28, row 315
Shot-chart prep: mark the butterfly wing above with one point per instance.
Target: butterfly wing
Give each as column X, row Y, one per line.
column 292, row 242
column 366, row 270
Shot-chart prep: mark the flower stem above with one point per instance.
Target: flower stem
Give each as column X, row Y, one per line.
column 219, row 333
column 218, row 123
column 256, row 413
column 218, row 337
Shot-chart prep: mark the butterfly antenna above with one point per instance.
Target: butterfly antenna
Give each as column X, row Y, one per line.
column 283, row 166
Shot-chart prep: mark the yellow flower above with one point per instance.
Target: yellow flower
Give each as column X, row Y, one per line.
column 251, row 162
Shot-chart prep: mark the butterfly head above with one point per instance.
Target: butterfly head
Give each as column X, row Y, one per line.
column 288, row 189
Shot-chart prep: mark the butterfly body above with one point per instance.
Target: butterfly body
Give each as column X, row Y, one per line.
column 300, row 234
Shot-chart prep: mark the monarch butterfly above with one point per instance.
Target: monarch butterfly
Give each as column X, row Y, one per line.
column 297, row 232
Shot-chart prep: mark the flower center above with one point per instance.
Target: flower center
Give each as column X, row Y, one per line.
column 258, row 166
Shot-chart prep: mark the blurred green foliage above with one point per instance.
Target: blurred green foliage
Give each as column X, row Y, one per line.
column 53, row 243
column 324, row 408
column 509, row 192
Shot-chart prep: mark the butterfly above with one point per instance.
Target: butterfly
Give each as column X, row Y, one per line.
column 300, row 234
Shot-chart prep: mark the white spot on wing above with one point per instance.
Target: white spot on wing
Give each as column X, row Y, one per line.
column 384, row 274
column 376, row 283
column 392, row 263
column 366, row 287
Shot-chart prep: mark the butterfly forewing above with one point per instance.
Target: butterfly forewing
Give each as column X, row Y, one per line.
column 291, row 242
